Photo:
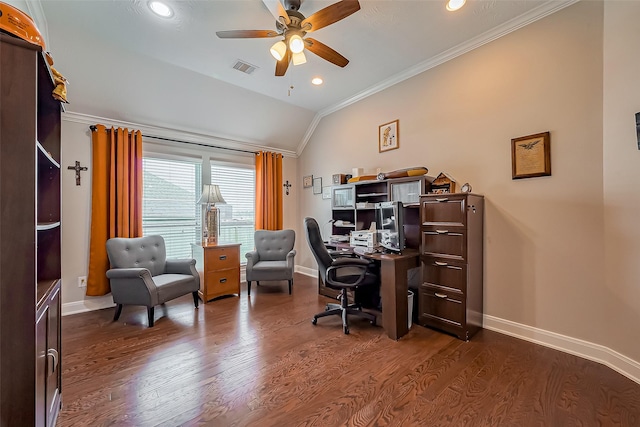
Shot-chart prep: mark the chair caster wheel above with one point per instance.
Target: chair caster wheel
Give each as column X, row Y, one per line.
column 346, row 330
column 314, row 321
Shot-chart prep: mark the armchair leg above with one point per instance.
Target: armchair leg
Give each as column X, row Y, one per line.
column 249, row 287
column 150, row 316
column 195, row 298
column 290, row 285
column 116, row 316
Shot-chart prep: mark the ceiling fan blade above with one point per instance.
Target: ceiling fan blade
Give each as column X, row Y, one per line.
column 282, row 65
column 278, row 11
column 246, row 34
column 330, row 15
column 325, row 52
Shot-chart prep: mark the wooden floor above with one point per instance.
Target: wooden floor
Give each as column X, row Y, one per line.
column 260, row 362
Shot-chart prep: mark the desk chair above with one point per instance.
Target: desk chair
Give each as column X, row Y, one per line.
column 339, row 274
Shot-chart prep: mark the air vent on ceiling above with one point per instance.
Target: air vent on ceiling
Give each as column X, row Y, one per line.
column 244, row 67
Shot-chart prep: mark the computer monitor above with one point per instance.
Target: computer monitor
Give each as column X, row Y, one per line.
column 390, row 219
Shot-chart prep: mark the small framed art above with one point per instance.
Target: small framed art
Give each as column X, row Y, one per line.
column 388, row 136
column 317, row 185
column 307, row 181
column 531, row 156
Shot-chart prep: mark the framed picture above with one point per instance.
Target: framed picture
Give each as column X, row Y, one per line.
column 326, row 192
column 317, row 185
column 531, row 156
column 388, row 136
column 307, row 181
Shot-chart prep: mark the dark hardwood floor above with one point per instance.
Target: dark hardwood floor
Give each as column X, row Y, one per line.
column 260, row 362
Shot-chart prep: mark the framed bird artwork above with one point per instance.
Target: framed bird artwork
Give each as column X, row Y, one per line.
column 531, row 156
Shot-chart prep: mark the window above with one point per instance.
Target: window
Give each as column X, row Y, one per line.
column 237, row 217
column 169, row 195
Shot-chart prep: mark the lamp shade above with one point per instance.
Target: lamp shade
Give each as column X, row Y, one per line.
column 299, row 58
column 210, row 195
column 296, row 44
column 278, row 50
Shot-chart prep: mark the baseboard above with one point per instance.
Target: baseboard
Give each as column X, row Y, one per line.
column 93, row 303
column 98, row 303
column 585, row 349
column 306, row 271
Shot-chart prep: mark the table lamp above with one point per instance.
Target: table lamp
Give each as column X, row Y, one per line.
column 210, row 196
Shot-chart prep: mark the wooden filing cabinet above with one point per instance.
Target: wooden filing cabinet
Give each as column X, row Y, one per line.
column 219, row 269
column 451, row 252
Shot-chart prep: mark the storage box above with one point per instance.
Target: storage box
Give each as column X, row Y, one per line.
column 339, row 178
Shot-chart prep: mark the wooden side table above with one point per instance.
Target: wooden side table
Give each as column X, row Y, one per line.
column 219, row 269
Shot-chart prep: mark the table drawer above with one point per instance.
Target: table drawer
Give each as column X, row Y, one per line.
column 443, row 209
column 441, row 241
column 222, row 282
column 444, row 273
column 441, row 306
column 221, row 258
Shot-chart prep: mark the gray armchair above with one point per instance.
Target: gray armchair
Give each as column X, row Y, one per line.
column 140, row 274
column 273, row 257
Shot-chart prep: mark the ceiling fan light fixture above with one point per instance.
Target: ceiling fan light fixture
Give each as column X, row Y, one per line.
column 296, row 44
column 278, row 50
column 161, row 9
column 453, row 5
column 299, row 58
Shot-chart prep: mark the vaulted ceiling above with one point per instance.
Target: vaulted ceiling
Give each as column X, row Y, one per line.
column 125, row 63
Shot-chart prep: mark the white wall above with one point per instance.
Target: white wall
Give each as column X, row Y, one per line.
column 622, row 175
column 76, row 201
column 545, row 273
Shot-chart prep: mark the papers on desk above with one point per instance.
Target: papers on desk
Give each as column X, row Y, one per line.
column 364, row 250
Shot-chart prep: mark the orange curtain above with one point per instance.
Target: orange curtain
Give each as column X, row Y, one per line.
column 268, row 191
column 116, row 197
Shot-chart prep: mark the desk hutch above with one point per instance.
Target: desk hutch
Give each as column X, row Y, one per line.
column 446, row 230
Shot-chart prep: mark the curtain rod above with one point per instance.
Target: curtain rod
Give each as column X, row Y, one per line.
column 94, row 128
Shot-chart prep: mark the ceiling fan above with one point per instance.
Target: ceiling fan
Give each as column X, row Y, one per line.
column 293, row 26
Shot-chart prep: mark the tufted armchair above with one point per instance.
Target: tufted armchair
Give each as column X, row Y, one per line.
column 272, row 258
column 140, row 274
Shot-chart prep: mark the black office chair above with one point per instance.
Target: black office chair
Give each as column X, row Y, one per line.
column 338, row 274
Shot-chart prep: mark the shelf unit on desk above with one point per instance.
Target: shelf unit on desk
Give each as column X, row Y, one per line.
column 349, row 212
column 219, row 269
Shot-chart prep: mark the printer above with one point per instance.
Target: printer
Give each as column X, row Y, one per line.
column 366, row 238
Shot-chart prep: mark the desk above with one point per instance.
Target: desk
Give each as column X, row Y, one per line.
column 394, row 290
column 393, row 287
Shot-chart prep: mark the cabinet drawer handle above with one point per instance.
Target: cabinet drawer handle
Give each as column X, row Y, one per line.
column 442, row 231
column 223, row 280
column 439, row 295
column 441, row 264
column 223, row 257
column 54, row 355
column 442, row 200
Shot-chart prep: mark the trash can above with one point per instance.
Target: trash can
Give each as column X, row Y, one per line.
column 410, row 311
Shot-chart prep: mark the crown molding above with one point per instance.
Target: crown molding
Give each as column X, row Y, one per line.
column 544, row 10
column 36, row 12
column 172, row 133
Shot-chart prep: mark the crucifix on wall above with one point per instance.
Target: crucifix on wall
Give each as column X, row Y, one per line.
column 78, row 169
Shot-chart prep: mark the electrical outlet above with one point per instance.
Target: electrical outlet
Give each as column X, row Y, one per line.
column 82, row 281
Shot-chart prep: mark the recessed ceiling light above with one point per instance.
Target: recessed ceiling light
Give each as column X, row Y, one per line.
column 453, row 5
column 160, row 9
column 317, row 81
